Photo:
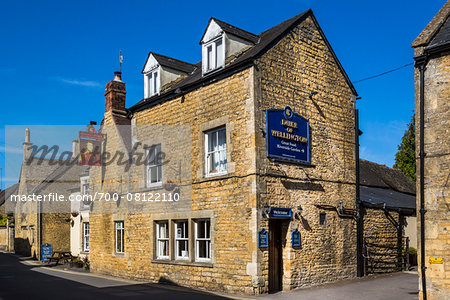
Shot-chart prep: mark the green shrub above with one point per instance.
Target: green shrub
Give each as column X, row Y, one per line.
column 412, row 250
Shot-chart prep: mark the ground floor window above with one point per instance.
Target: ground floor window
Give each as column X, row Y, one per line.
column 181, row 240
column 203, row 240
column 86, row 237
column 162, row 240
column 120, row 230
column 186, row 240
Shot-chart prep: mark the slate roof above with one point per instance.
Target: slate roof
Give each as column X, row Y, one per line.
column 425, row 37
column 228, row 28
column 267, row 39
column 442, row 37
column 381, row 186
column 4, row 194
column 172, row 63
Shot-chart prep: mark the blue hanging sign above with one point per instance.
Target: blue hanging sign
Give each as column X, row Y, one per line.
column 280, row 212
column 296, row 238
column 263, row 238
column 287, row 136
column 46, row 251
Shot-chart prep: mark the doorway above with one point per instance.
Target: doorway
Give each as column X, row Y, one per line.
column 275, row 256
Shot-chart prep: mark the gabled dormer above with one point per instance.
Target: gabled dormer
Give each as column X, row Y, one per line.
column 220, row 42
column 162, row 71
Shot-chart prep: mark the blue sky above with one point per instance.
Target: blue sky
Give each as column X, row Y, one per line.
column 56, row 56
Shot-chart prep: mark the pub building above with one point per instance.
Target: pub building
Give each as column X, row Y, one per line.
column 271, row 146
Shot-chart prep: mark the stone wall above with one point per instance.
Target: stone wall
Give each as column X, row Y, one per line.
column 437, row 170
column 380, row 241
column 297, row 65
column 226, row 199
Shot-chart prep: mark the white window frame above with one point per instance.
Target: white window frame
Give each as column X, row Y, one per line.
column 208, row 154
column 86, row 236
column 152, row 85
column 215, row 63
column 120, row 229
column 154, row 164
column 184, row 226
column 160, row 240
column 198, row 240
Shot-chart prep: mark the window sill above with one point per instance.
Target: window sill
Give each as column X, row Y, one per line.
column 209, row 72
column 119, row 254
column 154, row 187
column 183, row 263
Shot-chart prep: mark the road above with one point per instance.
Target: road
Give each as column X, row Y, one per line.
column 21, row 279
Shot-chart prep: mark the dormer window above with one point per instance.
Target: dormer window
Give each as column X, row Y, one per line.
column 213, row 55
column 152, row 83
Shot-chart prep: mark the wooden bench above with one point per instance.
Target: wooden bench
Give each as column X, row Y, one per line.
column 57, row 256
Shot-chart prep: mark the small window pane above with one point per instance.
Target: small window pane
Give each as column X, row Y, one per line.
column 209, row 57
column 219, row 54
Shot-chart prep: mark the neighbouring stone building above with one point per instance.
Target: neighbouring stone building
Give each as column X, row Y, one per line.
column 389, row 209
column 43, row 222
column 432, row 101
column 7, row 229
column 237, row 192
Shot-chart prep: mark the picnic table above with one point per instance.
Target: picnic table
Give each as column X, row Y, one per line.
column 65, row 256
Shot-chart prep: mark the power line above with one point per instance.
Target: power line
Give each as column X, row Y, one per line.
column 384, row 73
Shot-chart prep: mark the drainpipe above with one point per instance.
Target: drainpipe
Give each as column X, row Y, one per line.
column 420, row 62
column 359, row 220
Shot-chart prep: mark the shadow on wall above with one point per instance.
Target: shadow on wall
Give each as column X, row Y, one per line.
column 23, row 247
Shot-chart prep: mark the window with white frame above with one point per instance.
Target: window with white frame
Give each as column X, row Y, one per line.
column 216, row 151
column 120, row 231
column 213, row 55
column 85, row 190
column 86, row 237
column 203, row 240
column 181, row 240
column 152, row 82
column 154, row 165
column 162, row 240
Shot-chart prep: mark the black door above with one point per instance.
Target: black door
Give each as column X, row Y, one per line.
column 275, row 256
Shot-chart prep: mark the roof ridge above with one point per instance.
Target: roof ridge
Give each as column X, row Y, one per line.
column 427, row 34
column 228, row 24
column 168, row 57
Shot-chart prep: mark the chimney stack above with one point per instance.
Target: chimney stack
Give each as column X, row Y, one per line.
column 27, row 145
column 75, row 148
column 115, row 94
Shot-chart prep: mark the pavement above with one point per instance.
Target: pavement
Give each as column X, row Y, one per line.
column 393, row 286
column 22, row 278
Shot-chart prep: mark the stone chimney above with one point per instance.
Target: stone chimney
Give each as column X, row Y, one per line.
column 115, row 94
column 27, row 145
column 75, row 148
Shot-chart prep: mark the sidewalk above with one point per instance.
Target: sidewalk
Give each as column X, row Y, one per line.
column 393, row 286
column 388, row 286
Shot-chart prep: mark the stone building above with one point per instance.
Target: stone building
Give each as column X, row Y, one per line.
column 7, row 227
column 250, row 220
column 43, row 222
column 432, row 96
column 389, row 210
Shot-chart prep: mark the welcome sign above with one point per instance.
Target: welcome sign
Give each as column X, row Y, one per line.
column 287, row 136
